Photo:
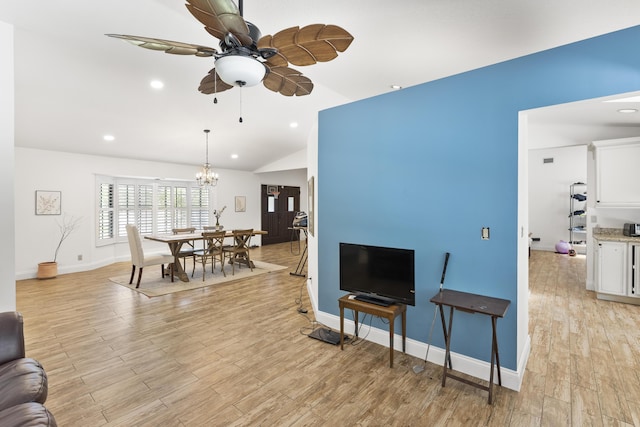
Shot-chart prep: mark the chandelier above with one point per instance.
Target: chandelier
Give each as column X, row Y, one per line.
column 207, row 176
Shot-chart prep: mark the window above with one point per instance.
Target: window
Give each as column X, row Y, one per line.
column 164, row 222
column 144, row 217
column 154, row 207
column 126, row 207
column 105, row 211
column 199, row 207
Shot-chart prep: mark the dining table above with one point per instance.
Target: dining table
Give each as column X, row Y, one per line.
column 175, row 242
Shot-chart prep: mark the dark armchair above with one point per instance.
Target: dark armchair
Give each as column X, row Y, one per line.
column 23, row 381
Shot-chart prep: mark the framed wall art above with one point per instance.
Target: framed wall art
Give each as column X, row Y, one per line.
column 241, row 203
column 48, row 202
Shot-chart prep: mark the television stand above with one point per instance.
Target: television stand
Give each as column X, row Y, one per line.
column 372, row 300
column 389, row 313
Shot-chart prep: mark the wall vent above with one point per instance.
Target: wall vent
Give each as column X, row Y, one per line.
column 548, row 160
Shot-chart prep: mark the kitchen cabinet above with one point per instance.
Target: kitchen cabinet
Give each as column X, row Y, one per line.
column 634, row 276
column 611, row 268
column 617, row 172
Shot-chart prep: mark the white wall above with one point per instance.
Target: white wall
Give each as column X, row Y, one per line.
column 312, row 244
column 297, row 160
column 7, row 235
column 549, row 192
column 74, row 176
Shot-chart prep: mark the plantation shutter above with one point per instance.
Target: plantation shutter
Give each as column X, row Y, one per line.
column 165, row 222
column 199, row 207
column 105, row 212
column 145, row 209
column 181, row 210
column 126, row 207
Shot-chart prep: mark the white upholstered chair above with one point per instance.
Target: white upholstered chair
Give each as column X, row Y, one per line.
column 138, row 258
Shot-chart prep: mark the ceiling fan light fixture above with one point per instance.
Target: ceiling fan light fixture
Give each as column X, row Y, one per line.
column 240, row 70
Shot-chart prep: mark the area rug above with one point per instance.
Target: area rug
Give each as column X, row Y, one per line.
column 152, row 285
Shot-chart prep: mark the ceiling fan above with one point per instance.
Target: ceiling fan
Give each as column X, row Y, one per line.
column 246, row 58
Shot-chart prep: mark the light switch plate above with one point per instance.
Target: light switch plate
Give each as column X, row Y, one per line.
column 485, row 233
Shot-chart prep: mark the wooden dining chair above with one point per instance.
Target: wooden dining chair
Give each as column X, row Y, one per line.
column 213, row 243
column 138, row 258
column 238, row 253
column 186, row 252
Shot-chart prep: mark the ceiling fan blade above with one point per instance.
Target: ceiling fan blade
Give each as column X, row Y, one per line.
column 307, row 45
column 168, row 46
column 221, row 17
column 212, row 83
column 287, row 82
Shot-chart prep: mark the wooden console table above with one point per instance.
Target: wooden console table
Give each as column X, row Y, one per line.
column 471, row 303
column 390, row 313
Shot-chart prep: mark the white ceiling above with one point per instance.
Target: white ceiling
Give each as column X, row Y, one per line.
column 73, row 84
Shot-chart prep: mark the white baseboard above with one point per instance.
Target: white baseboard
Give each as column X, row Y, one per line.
column 75, row 268
column 477, row 368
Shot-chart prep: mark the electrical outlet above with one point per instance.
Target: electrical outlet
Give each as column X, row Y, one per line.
column 79, row 257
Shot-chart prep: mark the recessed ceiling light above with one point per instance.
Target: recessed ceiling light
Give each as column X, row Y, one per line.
column 293, row 124
column 396, row 87
column 108, row 137
column 234, row 156
column 627, row 110
column 156, row 84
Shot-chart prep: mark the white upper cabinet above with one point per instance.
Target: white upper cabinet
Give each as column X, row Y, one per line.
column 617, row 172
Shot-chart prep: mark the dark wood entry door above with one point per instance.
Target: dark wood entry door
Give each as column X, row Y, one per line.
column 278, row 212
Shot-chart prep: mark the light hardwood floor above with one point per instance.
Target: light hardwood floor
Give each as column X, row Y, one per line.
column 236, row 354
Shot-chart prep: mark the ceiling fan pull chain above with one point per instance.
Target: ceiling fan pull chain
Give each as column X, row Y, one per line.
column 215, row 90
column 240, row 120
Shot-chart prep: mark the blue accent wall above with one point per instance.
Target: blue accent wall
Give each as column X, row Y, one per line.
column 427, row 167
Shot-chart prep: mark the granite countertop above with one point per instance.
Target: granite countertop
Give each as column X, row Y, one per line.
column 613, row 235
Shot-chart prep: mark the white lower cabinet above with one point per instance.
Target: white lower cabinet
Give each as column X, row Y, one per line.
column 612, row 262
column 634, row 276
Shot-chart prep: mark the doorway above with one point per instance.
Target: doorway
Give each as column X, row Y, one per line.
column 279, row 204
column 557, row 136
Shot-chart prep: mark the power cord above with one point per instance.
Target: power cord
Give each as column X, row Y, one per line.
column 298, row 300
column 357, row 339
column 313, row 324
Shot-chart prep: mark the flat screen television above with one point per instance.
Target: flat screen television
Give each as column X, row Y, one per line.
column 378, row 274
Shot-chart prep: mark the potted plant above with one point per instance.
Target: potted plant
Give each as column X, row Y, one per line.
column 49, row 269
column 217, row 214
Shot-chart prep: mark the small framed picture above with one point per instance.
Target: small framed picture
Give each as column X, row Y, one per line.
column 48, row 202
column 241, row 203
column 271, row 189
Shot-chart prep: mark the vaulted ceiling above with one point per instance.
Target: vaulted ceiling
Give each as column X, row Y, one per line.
column 73, row 85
